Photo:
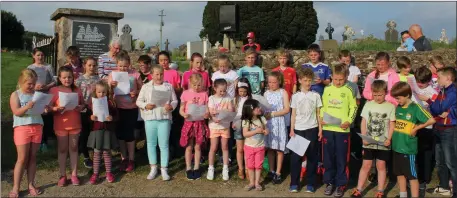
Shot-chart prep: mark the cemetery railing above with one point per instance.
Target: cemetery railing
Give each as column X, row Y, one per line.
column 49, row 48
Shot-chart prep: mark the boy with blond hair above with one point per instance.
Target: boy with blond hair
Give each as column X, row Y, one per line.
column 289, row 73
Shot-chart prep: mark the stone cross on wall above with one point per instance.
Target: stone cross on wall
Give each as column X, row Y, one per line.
column 361, row 32
column 166, row 45
column 329, row 30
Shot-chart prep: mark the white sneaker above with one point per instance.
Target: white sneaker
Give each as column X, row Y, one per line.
column 442, row 191
column 225, row 174
column 210, row 174
column 153, row 173
column 164, row 173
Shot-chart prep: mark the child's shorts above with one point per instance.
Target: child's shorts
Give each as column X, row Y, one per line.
column 405, row 164
column 126, row 125
column 371, row 154
column 238, row 134
column 224, row 133
column 254, row 157
column 28, row 133
column 62, row 133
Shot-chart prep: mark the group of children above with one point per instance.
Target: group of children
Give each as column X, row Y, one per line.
column 304, row 102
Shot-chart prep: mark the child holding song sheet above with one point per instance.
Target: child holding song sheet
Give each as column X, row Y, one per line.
column 27, row 131
column 157, row 99
column 66, row 104
column 102, row 138
column 194, row 132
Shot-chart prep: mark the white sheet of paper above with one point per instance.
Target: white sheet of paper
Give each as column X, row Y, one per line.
column 226, row 115
column 68, row 100
column 160, row 98
column 196, row 112
column 100, row 108
column 41, row 101
column 413, row 84
column 370, row 140
column 123, row 83
column 263, row 102
column 298, row 144
column 328, row 119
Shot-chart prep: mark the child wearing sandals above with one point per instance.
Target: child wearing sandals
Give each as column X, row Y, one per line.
column 28, row 130
column 102, row 138
column 254, row 130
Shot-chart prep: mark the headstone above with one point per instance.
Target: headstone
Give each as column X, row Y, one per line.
column 391, row 34
column 126, row 38
column 216, row 46
column 139, row 45
column 361, row 32
column 329, row 30
column 321, row 38
column 166, row 45
column 348, row 33
column 443, row 38
column 90, row 30
column 226, row 41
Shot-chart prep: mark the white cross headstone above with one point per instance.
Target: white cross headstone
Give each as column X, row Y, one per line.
column 361, row 32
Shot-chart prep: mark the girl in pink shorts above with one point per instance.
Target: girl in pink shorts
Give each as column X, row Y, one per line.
column 28, row 129
column 67, row 125
column 254, row 130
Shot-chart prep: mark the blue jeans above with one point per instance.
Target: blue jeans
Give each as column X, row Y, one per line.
column 336, row 147
column 445, row 155
column 157, row 131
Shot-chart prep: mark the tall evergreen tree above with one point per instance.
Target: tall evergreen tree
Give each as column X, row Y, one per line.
column 12, row 31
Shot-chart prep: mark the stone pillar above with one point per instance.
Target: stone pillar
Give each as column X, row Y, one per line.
column 90, row 30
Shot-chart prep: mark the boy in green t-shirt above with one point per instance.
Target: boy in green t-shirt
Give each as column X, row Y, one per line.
column 339, row 110
column 410, row 117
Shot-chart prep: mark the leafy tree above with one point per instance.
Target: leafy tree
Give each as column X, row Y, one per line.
column 275, row 24
column 12, row 31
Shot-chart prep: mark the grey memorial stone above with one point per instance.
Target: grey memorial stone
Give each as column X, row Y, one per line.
column 321, row 38
column 391, row 34
column 90, row 30
column 329, row 30
column 92, row 39
column 126, row 38
column 166, row 45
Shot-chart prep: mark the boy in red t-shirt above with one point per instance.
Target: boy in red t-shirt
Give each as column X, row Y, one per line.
column 289, row 73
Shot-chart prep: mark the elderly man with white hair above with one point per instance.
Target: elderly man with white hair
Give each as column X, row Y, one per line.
column 421, row 43
column 107, row 61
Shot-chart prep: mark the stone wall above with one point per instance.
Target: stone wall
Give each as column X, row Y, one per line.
column 363, row 59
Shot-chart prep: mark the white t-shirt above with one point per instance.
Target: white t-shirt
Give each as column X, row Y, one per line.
column 430, row 92
column 353, row 72
column 220, row 103
column 230, row 77
column 305, row 105
column 384, row 77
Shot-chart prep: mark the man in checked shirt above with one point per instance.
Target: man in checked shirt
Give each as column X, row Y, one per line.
column 107, row 61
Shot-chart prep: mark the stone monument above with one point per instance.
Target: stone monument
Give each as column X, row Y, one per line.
column 443, row 38
column 139, row 45
column 90, row 30
column 166, row 45
column 391, row 34
column 348, row 34
column 329, row 45
column 321, row 38
column 216, row 45
column 361, row 32
column 126, row 38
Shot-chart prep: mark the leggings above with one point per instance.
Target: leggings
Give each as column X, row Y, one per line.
column 157, row 131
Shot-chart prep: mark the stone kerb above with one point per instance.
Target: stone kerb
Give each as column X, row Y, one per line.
column 364, row 59
column 89, row 30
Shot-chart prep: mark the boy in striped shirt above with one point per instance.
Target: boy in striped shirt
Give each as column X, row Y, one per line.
column 410, row 118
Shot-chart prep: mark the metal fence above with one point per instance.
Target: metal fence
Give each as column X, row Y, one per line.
column 49, row 48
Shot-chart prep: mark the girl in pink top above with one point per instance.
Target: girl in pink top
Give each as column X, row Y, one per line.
column 67, row 124
column 170, row 75
column 128, row 112
column 383, row 72
column 196, row 66
column 194, row 131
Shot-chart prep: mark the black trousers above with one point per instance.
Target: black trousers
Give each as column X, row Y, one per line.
column 86, row 126
column 48, row 127
column 311, row 158
column 425, row 155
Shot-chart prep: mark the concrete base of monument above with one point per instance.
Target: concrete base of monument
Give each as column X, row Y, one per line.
column 329, row 45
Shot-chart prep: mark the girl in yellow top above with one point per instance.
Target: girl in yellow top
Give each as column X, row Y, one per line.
column 404, row 65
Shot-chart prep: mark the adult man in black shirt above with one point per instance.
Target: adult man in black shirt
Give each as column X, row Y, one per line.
column 421, row 43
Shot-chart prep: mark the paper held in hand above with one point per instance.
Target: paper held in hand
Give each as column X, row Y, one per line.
column 225, row 115
column 160, row 98
column 298, row 144
column 123, row 83
column 329, row 119
column 68, row 100
column 41, row 100
column 413, row 84
column 263, row 102
column 100, row 108
column 196, row 112
column 370, row 140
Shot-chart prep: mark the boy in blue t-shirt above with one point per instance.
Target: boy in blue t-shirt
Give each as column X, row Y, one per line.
column 322, row 72
column 252, row 72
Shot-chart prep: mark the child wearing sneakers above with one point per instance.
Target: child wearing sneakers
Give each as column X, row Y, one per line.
column 338, row 103
column 410, row 117
column 305, row 107
column 378, row 122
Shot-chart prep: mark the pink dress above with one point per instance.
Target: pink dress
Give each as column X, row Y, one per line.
column 194, row 129
column 186, row 76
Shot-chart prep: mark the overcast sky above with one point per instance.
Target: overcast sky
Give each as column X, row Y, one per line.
column 183, row 20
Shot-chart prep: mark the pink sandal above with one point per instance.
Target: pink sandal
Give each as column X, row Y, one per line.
column 13, row 195
column 34, row 192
